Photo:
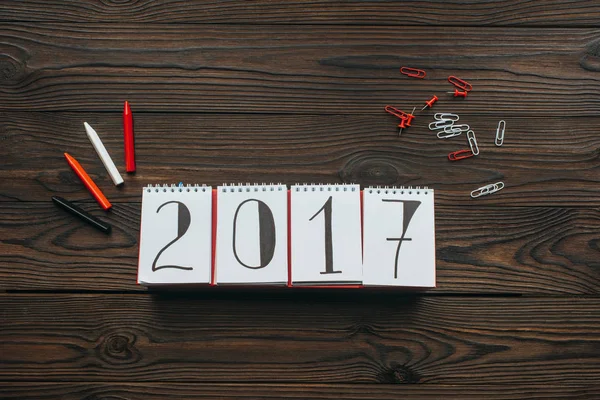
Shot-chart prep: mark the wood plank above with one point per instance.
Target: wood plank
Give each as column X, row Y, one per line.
column 544, row 161
column 282, row 338
column 193, row 390
column 426, row 12
column 479, row 250
column 295, row 69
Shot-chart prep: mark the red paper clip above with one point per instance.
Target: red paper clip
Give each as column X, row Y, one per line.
column 413, row 72
column 395, row 112
column 400, row 114
column 460, row 155
column 458, row 93
column 459, row 83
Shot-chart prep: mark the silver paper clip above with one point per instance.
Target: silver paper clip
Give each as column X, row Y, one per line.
column 473, row 142
column 487, row 189
column 440, row 124
column 461, row 127
column 446, row 117
column 500, row 133
column 446, row 134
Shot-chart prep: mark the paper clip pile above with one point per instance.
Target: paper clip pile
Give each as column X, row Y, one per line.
column 446, row 125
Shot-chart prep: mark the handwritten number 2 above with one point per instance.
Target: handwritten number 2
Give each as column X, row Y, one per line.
column 410, row 207
column 183, row 223
column 328, row 237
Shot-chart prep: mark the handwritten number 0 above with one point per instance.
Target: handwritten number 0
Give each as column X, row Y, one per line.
column 183, row 223
column 267, row 234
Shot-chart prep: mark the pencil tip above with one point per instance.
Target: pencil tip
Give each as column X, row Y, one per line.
column 88, row 129
column 126, row 108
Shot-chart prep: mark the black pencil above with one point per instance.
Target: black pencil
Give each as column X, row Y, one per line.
column 87, row 217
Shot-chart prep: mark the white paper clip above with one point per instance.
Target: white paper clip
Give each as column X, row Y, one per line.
column 446, row 117
column 487, row 189
column 448, row 134
column 103, row 154
column 473, row 142
column 461, row 127
column 500, row 133
column 440, row 124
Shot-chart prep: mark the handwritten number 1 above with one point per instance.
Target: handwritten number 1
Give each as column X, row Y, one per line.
column 183, row 223
column 328, row 237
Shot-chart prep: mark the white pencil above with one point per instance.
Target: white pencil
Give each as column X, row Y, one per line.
column 103, row 154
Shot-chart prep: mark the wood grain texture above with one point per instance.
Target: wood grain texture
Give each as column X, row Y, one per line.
column 293, row 92
column 544, row 161
column 282, row 338
column 192, row 390
column 427, row 12
column 479, row 250
column 295, row 69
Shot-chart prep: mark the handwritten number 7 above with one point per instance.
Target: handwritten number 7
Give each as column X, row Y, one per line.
column 183, row 223
column 410, row 207
column 328, row 237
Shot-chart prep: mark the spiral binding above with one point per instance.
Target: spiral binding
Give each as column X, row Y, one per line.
column 298, row 187
column 252, row 187
column 172, row 188
column 325, row 187
column 418, row 190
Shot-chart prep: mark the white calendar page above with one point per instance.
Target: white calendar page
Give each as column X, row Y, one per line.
column 252, row 240
column 399, row 237
column 175, row 235
column 326, row 234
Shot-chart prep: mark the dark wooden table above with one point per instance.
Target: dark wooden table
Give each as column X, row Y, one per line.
column 294, row 92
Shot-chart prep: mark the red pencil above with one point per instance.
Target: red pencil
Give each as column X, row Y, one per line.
column 128, row 136
column 88, row 182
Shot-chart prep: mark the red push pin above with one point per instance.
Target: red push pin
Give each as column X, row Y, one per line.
column 402, row 125
column 406, row 120
column 458, row 93
column 430, row 102
column 410, row 117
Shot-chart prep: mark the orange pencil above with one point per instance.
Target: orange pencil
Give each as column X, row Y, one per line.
column 88, row 182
